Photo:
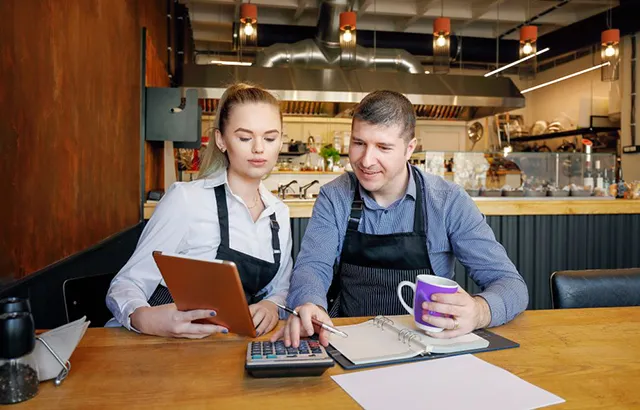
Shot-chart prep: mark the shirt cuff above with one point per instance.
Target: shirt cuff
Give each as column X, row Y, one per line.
column 496, row 308
column 128, row 309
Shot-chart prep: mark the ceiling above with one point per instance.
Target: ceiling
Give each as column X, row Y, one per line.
column 211, row 19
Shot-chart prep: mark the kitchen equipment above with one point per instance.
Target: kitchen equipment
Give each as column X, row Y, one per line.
column 539, row 127
column 475, row 132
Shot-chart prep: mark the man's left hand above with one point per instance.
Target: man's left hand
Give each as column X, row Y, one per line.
column 467, row 312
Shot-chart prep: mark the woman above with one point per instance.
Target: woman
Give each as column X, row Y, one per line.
column 227, row 214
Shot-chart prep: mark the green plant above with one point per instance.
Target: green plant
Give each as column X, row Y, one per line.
column 330, row 152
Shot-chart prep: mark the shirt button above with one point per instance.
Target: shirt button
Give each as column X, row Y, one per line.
column 386, row 211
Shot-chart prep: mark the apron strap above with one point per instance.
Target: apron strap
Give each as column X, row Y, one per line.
column 418, row 217
column 356, row 206
column 223, row 214
column 223, row 220
column 275, row 239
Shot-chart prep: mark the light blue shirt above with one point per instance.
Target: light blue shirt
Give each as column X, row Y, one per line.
column 455, row 229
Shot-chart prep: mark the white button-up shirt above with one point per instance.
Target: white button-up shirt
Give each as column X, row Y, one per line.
column 185, row 222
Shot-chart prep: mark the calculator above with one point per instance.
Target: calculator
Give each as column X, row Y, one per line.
column 266, row 359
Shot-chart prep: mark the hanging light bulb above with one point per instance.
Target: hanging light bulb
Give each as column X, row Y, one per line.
column 248, row 20
column 528, row 48
column 347, row 38
column 347, row 35
column 610, row 52
column 441, row 44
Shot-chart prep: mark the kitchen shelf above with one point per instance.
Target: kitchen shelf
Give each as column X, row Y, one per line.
column 570, row 133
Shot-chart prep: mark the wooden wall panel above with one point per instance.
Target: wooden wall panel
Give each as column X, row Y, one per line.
column 69, row 127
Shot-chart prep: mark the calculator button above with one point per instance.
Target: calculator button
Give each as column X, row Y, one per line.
column 292, row 355
column 272, row 356
column 316, row 350
column 256, row 356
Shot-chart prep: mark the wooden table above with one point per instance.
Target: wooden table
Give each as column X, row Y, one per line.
column 589, row 357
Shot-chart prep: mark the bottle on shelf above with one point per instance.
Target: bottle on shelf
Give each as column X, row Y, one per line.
column 620, row 179
column 599, row 176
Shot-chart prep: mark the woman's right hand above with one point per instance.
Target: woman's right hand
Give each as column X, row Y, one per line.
column 168, row 321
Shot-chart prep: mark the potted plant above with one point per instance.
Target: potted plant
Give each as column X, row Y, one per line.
column 331, row 156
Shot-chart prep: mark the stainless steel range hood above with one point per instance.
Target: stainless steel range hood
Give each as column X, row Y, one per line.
column 333, row 91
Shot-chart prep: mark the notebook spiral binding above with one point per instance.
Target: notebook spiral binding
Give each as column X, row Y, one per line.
column 405, row 335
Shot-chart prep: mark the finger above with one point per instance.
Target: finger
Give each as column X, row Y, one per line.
column 287, row 333
column 253, row 308
column 191, row 315
column 460, row 298
column 278, row 335
column 447, row 334
column 294, row 332
column 265, row 324
column 437, row 321
column 323, row 337
column 258, row 317
column 305, row 319
column 199, row 329
column 443, row 308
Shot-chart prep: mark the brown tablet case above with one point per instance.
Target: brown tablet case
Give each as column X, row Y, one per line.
column 216, row 285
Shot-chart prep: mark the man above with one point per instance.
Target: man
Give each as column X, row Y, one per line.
column 388, row 222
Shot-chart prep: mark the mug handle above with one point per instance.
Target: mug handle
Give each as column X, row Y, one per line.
column 400, row 286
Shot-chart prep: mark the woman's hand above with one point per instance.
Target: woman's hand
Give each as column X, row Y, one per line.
column 265, row 316
column 168, row 321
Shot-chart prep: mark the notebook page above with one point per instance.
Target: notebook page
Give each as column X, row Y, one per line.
column 458, row 382
column 367, row 343
column 469, row 341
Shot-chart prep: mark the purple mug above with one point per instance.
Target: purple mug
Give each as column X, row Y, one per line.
column 425, row 286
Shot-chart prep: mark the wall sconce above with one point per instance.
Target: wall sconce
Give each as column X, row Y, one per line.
column 248, row 28
column 610, row 52
column 441, row 44
column 347, row 37
column 528, row 47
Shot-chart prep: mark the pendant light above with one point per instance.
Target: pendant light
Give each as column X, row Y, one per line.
column 248, row 29
column 528, row 48
column 441, row 43
column 610, row 50
column 347, row 37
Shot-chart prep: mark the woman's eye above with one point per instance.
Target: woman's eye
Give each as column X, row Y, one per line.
column 270, row 139
column 245, row 139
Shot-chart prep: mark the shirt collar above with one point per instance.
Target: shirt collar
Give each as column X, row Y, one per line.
column 220, row 177
column 410, row 192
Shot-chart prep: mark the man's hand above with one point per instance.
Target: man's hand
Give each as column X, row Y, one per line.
column 468, row 313
column 265, row 316
column 303, row 326
column 168, row 321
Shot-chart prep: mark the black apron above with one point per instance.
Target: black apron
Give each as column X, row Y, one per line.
column 372, row 266
column 255, row 273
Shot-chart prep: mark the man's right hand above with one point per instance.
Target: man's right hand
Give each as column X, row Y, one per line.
column 168, row 321
column 303, row 326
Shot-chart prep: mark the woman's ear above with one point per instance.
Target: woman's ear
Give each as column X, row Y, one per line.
column 220, row 141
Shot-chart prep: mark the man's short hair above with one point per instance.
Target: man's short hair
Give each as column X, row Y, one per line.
column 388, row 108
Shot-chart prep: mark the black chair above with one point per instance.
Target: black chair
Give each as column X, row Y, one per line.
column 595, row 288
column 85, row 296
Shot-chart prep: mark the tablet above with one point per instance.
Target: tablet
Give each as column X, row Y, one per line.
column 200, row 284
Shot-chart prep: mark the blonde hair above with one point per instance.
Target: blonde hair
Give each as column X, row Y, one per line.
column 240, row 93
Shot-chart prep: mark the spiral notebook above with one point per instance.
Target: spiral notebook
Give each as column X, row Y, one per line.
column 395, row 339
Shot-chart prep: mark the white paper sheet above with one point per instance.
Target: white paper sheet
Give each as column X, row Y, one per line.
column 458, row 382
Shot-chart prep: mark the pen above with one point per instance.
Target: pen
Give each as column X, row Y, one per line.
column 315, row 321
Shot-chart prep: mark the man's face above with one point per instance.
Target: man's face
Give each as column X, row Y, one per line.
column 379, row 155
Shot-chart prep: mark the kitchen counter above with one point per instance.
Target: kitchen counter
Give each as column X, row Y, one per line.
column 501, row 206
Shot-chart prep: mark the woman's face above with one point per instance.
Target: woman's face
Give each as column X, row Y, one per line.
column 252, row 139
